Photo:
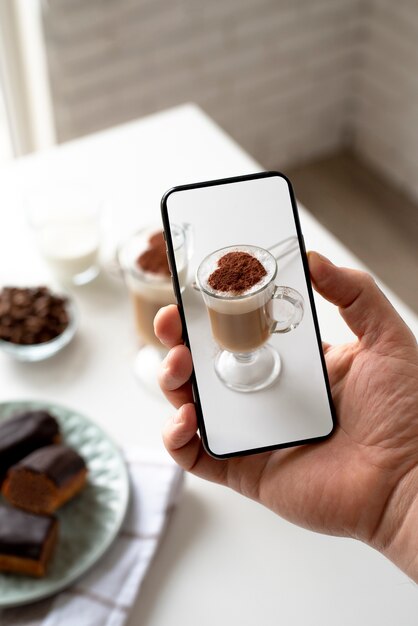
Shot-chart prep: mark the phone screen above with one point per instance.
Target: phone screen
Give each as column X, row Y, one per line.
column 242, row 284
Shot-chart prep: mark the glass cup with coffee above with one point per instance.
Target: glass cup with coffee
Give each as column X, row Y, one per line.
column 143, row 260
column 245, row 307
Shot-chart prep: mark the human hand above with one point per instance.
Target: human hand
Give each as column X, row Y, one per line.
column 363, row 481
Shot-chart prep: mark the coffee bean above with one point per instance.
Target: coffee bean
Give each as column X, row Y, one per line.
column 20, row 298
column 5, row 333
column 41, row 304
column 4, row 308
column 33, row 323
column 31, row 315
column 7, row 320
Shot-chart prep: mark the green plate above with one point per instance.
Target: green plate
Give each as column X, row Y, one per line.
column 90, row 522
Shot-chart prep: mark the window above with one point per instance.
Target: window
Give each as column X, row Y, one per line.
column 6, row 150
column 26, row 120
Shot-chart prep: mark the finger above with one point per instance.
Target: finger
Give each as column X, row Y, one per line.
column 326, row 346
column 362, row 304
column 185, row 446
column 174, row 376
column 176, row 368
column 167, row 326
column 180, row 396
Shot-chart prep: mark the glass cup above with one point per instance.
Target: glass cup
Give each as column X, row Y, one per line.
column 242, row 324
column 66, row 220
column 149, row 291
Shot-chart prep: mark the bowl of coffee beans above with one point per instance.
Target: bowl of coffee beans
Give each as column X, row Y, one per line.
column 34, row 322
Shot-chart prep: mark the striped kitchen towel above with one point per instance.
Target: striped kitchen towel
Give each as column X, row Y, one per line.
column 105, row 595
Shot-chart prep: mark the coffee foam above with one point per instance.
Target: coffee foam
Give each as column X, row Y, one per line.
column 210, row 264
column 228, row 302
column 152, row 286
column 156, row 289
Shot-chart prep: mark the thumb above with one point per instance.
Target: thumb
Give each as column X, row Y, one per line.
column 362, row 304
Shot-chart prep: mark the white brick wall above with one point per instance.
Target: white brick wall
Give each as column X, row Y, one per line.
column 385, row 104
column 289, row 79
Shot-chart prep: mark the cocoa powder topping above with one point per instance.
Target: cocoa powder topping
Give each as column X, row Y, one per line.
column 236, row 272
column 154, row 258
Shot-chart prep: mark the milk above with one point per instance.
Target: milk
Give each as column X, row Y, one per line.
column 70, row 248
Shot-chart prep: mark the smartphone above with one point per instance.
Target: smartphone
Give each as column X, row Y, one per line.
column 241, row 278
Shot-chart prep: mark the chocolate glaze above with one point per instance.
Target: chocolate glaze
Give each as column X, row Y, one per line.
column 23, row 433
column 59, row 463
column 24, row 534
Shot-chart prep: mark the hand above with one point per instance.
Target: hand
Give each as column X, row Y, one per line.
column 363, row 481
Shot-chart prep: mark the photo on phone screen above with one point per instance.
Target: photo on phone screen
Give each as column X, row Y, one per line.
column 243, row 289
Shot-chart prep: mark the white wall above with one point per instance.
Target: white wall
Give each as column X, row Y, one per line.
column 272, row 72
column 289, row 79
column 385, row 100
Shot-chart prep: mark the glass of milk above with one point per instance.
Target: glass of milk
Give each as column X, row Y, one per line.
column 66, row 221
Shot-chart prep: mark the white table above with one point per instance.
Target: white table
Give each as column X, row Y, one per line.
column 224, row 559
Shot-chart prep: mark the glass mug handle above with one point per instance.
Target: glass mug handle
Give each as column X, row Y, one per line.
column 291, row 315
column 188, row 239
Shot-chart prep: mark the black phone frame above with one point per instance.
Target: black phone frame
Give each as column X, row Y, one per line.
column 177, row 291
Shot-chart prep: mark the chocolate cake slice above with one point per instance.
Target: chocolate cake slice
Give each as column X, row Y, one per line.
column 46, row 479
column 27, row 541
column 22, row 434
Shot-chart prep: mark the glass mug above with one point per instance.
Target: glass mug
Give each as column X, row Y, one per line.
column 66, row 220
column 149, row 291
column 242, row 324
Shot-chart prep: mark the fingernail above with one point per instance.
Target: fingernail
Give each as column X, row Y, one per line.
column 178, row 417
column 168, row 379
